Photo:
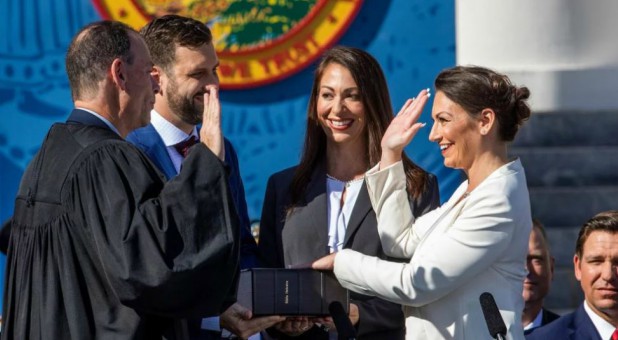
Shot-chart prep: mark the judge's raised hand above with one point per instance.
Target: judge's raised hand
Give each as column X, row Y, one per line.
column 402, row 129
column 210, row 133
column 238, row 320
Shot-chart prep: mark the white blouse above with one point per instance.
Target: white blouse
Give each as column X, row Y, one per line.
column 338, row 213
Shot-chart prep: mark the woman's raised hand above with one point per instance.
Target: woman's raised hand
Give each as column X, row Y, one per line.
column 402, row 129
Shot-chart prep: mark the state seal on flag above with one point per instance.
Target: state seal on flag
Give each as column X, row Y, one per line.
column 258, row 42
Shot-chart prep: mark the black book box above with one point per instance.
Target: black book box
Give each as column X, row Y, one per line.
column 271, row 291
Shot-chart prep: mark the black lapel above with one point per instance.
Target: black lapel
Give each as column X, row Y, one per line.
column 304, row 236
column 361, row 208
column 548, row 316
column 84, row 117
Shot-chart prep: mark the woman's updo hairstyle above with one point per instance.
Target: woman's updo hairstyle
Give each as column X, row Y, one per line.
column 476, row 88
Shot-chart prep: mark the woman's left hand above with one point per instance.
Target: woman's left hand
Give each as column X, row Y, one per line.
column 325, row 263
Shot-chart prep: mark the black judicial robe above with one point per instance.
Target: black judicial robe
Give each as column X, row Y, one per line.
column 102, row 248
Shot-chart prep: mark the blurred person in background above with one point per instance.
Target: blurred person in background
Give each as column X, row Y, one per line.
column 540, row 266
column 596, row 268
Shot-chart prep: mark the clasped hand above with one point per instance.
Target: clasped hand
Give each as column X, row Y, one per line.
column 295, row 326
column 240, row 321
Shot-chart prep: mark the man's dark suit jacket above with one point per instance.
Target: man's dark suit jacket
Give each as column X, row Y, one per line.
column 547, row 317
column 303, row 237
column 149, row 141
column 573, row 326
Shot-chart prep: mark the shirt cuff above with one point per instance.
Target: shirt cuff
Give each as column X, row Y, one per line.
column 211, row 324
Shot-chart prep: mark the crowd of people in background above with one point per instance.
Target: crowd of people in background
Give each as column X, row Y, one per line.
column 131, row 221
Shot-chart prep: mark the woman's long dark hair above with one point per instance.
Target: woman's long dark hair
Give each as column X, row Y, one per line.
column 376, row 100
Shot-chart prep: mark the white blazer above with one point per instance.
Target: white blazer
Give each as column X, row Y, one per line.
column 474, row 243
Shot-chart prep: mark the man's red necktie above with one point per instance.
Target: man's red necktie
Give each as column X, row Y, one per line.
column 615, row 335
column 183, row 147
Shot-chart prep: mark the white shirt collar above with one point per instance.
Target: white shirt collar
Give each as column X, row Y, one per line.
column 169, row 133
column 604, row 328
column 536, row 322
column 107, row 122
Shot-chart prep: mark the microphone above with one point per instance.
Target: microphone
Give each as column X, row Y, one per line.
column 495, row 324
column 345, row 330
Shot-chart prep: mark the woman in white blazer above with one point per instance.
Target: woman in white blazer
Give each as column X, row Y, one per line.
column 477, row 241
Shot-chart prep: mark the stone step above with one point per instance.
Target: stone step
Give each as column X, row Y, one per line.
column 571, row 205
column 569, row 129
column 562, row 243
column 571, row 162
column 569, row 166
column 565, row 293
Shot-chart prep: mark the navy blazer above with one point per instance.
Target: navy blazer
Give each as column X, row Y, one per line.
column 149, row 141
column 573, row 326
column 302, row 237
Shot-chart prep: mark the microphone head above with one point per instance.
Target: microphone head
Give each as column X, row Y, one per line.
column 494, row 321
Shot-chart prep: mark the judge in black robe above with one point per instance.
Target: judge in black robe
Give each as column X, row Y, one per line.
column 102, row 248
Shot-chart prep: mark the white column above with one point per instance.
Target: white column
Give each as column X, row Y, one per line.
column 565, row 51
